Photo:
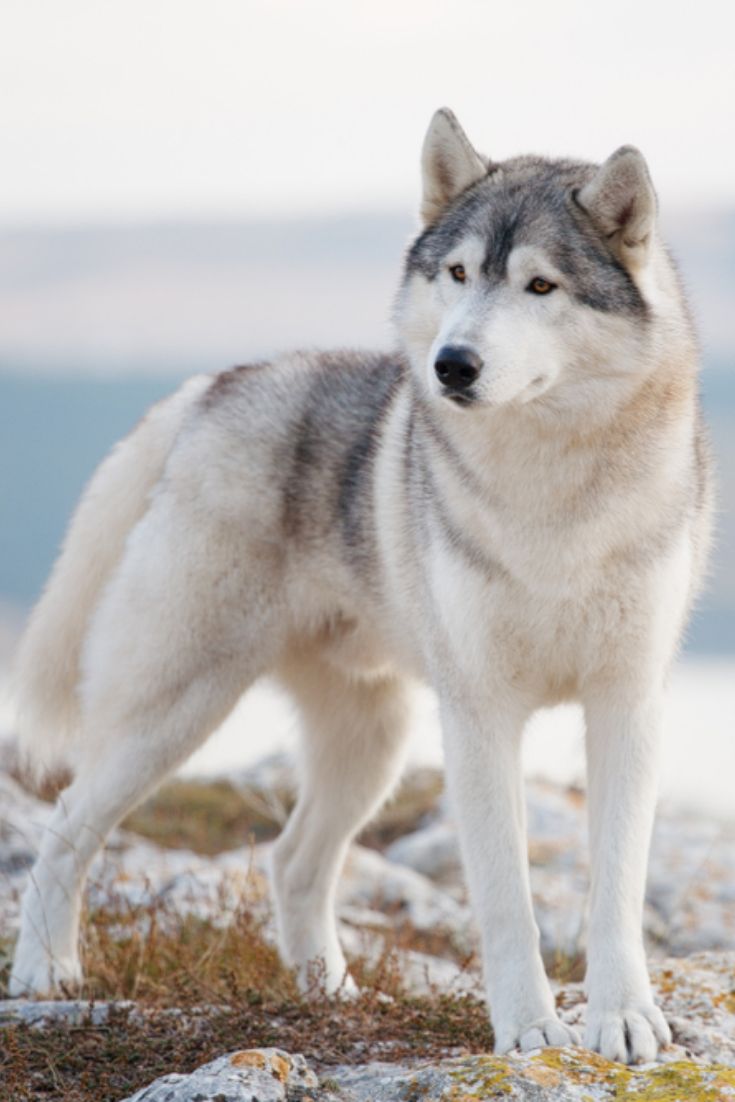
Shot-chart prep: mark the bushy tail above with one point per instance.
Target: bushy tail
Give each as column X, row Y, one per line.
column 46, row 673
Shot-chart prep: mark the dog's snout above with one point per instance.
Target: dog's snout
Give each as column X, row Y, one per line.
column 457, row 368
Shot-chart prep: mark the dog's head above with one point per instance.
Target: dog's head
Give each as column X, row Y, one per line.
column 531, row 277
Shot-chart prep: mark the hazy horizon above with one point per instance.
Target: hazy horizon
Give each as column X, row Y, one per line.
column 265, row 106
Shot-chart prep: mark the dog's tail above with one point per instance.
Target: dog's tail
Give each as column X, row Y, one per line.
column 47, row 667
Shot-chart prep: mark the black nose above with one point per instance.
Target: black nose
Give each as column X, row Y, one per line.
column 457, row 368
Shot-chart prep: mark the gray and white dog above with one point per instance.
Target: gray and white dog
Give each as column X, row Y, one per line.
column 514, row 506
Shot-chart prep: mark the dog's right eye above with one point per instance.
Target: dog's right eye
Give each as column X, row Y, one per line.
column 457, row 273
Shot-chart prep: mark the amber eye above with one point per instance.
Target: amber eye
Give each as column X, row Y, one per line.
column 457, row 273
column 539, row 286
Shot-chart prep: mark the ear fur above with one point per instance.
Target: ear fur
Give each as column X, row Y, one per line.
column 621, row 201
column 449, row 164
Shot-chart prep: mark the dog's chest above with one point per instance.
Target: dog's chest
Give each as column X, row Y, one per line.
column 541, row 536
column 539, row 579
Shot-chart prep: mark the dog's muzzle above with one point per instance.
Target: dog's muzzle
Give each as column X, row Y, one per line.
column 457, row 369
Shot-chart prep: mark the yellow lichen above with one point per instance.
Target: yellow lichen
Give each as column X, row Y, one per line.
column 726, row 1000
column 248, row 1059
column 280, row 1067
column 490, row 1075
column 683, row 1081
column 577, row 1065
column 545, row 1077
column 665, row 981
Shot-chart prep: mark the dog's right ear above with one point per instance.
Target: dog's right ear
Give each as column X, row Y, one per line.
column 449, row 164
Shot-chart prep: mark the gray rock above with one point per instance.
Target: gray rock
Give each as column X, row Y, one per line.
column 39, row 1013
column 433, row 851
column 253, row 1075
column 691, row 882
column 551, row 1075
column 370, row 880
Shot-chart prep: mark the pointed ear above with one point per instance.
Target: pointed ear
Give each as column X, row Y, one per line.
column 449, row 164
column 621, row 201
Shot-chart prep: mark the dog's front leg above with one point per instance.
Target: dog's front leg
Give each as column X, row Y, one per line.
column 623, row 1022
column 484, row 775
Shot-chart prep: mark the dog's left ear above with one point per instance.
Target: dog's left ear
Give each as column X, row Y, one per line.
column 621, row 201
column 449, row 164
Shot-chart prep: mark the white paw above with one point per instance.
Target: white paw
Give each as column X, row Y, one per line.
column 335, row 981
column 632, row 1035
column 36, row 973
column 348, row 989
column 547, row 1032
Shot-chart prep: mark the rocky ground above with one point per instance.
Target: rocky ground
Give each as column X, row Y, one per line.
column 404, row 918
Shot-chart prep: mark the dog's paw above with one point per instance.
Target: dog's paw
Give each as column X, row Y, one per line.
column 632, row 1035
column 547, row 1032
column 336, row 982
column 347, row 989
column 39, row 974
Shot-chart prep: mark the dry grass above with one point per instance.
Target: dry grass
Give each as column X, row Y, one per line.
column 233, row 993
column 201, row 989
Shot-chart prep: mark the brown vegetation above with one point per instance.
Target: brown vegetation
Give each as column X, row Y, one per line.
column 201, row 991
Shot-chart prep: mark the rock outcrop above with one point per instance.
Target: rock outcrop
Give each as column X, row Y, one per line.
column 551, row 1075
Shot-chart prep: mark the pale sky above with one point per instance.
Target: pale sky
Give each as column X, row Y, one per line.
column 171, row 108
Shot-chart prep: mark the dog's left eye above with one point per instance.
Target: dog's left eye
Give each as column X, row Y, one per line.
column 540, row 286
column 457, row 272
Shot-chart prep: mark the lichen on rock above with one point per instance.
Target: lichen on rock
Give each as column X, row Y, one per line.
column 551, row 1075
column 253, row 1075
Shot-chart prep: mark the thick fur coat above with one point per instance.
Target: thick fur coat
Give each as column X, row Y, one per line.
column 513, row 506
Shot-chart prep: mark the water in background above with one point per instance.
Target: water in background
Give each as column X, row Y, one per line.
column 53, row 432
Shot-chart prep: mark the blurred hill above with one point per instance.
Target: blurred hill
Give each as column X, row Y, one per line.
column 97, row 322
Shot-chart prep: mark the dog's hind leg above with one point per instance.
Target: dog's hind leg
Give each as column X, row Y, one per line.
column 170, row 651
column 104, row 790
column 354, row 749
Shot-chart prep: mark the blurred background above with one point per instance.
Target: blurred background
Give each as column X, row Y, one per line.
column 188, row 186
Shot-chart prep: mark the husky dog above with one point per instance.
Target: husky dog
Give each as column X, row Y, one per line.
column 514, row 506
